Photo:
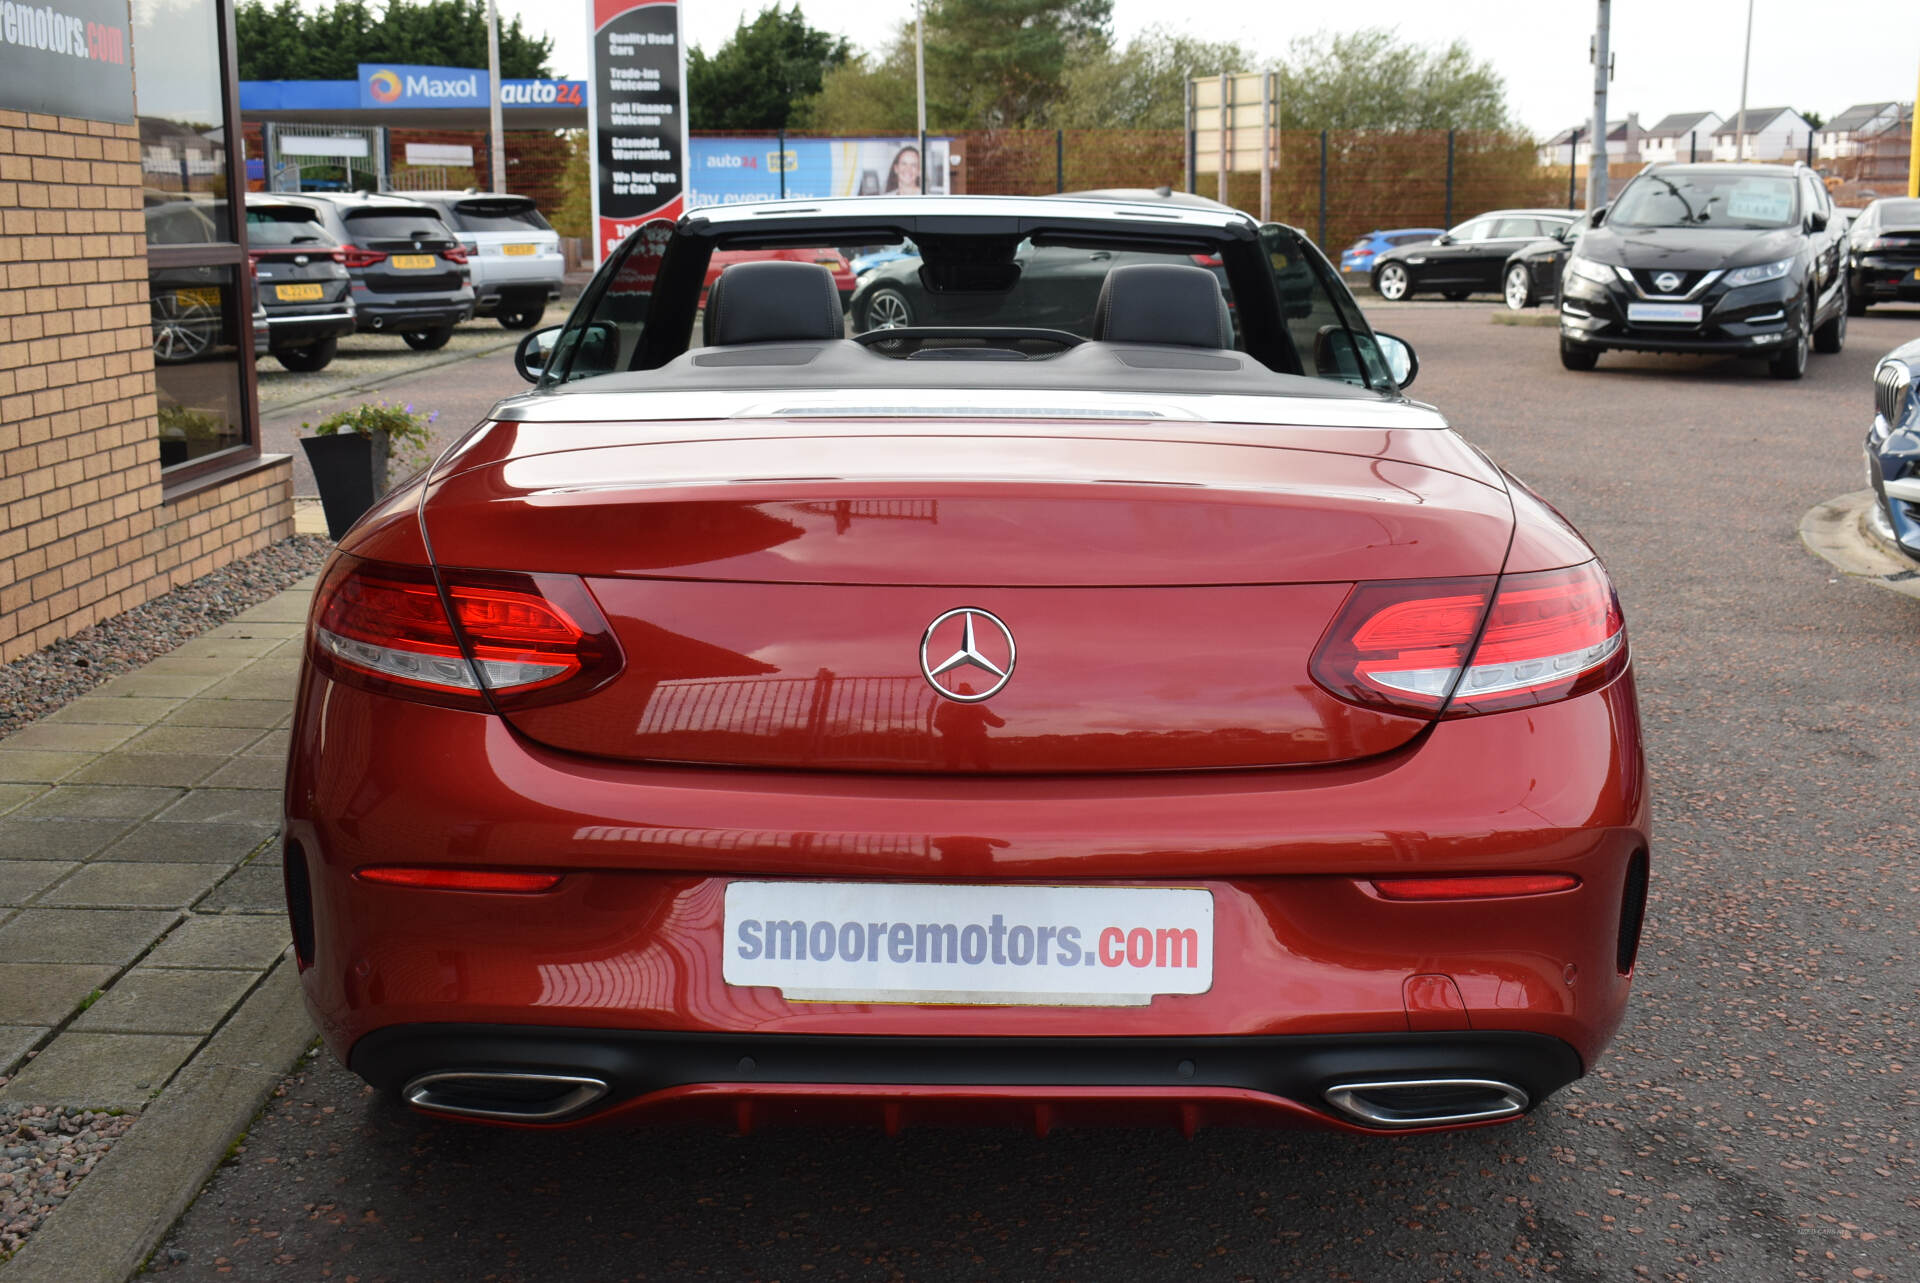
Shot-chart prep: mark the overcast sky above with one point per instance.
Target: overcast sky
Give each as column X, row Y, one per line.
column 1670, row 55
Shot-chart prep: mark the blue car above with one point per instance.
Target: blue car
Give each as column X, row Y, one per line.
column 859, row 264
column 1357, row 258
column 1893, row 444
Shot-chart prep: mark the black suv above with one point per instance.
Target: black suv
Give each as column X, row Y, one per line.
column 410, row 272
column 1723, row 259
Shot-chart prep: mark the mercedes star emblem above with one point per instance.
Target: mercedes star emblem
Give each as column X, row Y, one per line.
column 1666, row 282
column 989, row 649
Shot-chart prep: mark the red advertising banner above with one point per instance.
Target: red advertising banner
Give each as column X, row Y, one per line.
column 637, row 117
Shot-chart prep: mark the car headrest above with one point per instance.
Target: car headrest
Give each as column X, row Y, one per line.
column 772, row 302
column 1162, row 303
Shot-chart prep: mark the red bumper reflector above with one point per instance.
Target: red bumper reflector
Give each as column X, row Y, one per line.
column 458, row 879
column 1474, row 888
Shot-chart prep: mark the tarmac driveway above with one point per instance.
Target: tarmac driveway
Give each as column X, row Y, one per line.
column 1755, row 1120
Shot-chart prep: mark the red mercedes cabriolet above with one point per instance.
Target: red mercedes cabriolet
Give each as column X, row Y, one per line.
column 1151, row 715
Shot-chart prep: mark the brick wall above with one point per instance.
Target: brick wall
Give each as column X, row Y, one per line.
column 85, row 532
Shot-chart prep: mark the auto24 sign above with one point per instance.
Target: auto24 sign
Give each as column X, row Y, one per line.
column 638, row 117
column 70, row 58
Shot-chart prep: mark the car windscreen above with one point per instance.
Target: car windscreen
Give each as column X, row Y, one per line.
column 1704, row 199
column 276, row 225
column 395, row 225
column 499, row 216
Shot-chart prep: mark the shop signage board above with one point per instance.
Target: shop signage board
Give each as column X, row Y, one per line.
column 727, row 171
column 67, row 58
column 397, row 85
column 637, row 118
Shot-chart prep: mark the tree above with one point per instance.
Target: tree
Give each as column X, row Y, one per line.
column 1372, row 80
column 286, row 42
column 1142, row 86
column 991, row 64
column 760, row 76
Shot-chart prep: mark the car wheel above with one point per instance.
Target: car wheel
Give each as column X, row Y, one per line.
column 1519, row 290
column 428, row 340
column 1578, row 358
column 305, row 360
column 1832, row 336
column 1792, row 363
column 1455, row 296
column 522, row 318
column 888, row 309
column 182, row 331
column 1392, row 283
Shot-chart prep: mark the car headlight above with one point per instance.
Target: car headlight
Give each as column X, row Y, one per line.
column 1759, row 273
column 1586, row 269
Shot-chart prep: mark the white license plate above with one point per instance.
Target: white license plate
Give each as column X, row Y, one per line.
column 1671, row 313
column 992, row 945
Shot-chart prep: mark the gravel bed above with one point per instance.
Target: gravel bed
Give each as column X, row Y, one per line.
column 37, row 684
column 44, row 1153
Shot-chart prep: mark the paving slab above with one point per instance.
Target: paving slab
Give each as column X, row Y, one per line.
column 176, row 769
column 176, row 664
column 289, row 607
column 257, row 713
column 274, row 744
column 15, row 1042
column 258, row 886
column 228, row 648
column 144, row 885
column 30, row 839
column 13, row 795
column 96, row 802
column 260, row 628
column 38, row 766
column 102, row 937
column 153, row 1000
column 100, row 1071
column 219, row 941
column 21, row 880
column 222, row 806
column 189, row 843
column 156, row 685
column 126, row 710
column 258, row 682
column 45, row 994
column 250, row 773
column 166, row 738
column 73, row 737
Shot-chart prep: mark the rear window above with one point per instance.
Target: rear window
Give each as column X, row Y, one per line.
column 1906, row 212
column 396, row 225
column 499, row 216
column 284, row 225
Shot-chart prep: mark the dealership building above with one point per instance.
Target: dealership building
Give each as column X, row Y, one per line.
column 123, row 475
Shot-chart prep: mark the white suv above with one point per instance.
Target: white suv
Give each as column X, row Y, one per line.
column 514, row 252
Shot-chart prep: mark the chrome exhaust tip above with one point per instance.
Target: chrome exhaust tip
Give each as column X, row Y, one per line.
column 513, row 1096
column 1427, row 1102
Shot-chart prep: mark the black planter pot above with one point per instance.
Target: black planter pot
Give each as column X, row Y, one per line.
column 351, row 471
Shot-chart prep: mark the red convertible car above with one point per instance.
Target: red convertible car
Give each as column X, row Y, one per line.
column 1155, row 717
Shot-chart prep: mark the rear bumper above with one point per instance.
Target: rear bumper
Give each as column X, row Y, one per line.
column 748, row 1079
column 1877, row 281
column 631, row 939
column 291, row 328
column 375, row 312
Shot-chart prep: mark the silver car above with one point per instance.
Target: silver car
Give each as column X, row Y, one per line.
column 514, row 252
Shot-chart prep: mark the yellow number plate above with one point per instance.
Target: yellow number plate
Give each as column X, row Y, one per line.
column 413, row 262
column 209, row 297
column 299, row 293
column 518, row 250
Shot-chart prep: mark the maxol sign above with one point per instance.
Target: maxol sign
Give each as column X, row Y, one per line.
column 392, row 84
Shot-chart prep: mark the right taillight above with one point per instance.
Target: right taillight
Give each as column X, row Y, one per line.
column 521, row 639
column 1459, row 647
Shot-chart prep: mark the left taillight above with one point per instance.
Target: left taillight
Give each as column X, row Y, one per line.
column 1456, row 648
column 472, row 640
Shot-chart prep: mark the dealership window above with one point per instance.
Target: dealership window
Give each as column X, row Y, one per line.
column 198, row 278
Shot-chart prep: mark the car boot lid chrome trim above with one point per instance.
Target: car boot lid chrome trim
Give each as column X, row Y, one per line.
column 964, row 403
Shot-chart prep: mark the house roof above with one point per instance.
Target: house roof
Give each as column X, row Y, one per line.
column 1758, row 118
column 1859, row 114
column 1684, row 122
column 1615, row 129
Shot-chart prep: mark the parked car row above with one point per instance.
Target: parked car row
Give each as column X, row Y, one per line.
column 329, row 264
